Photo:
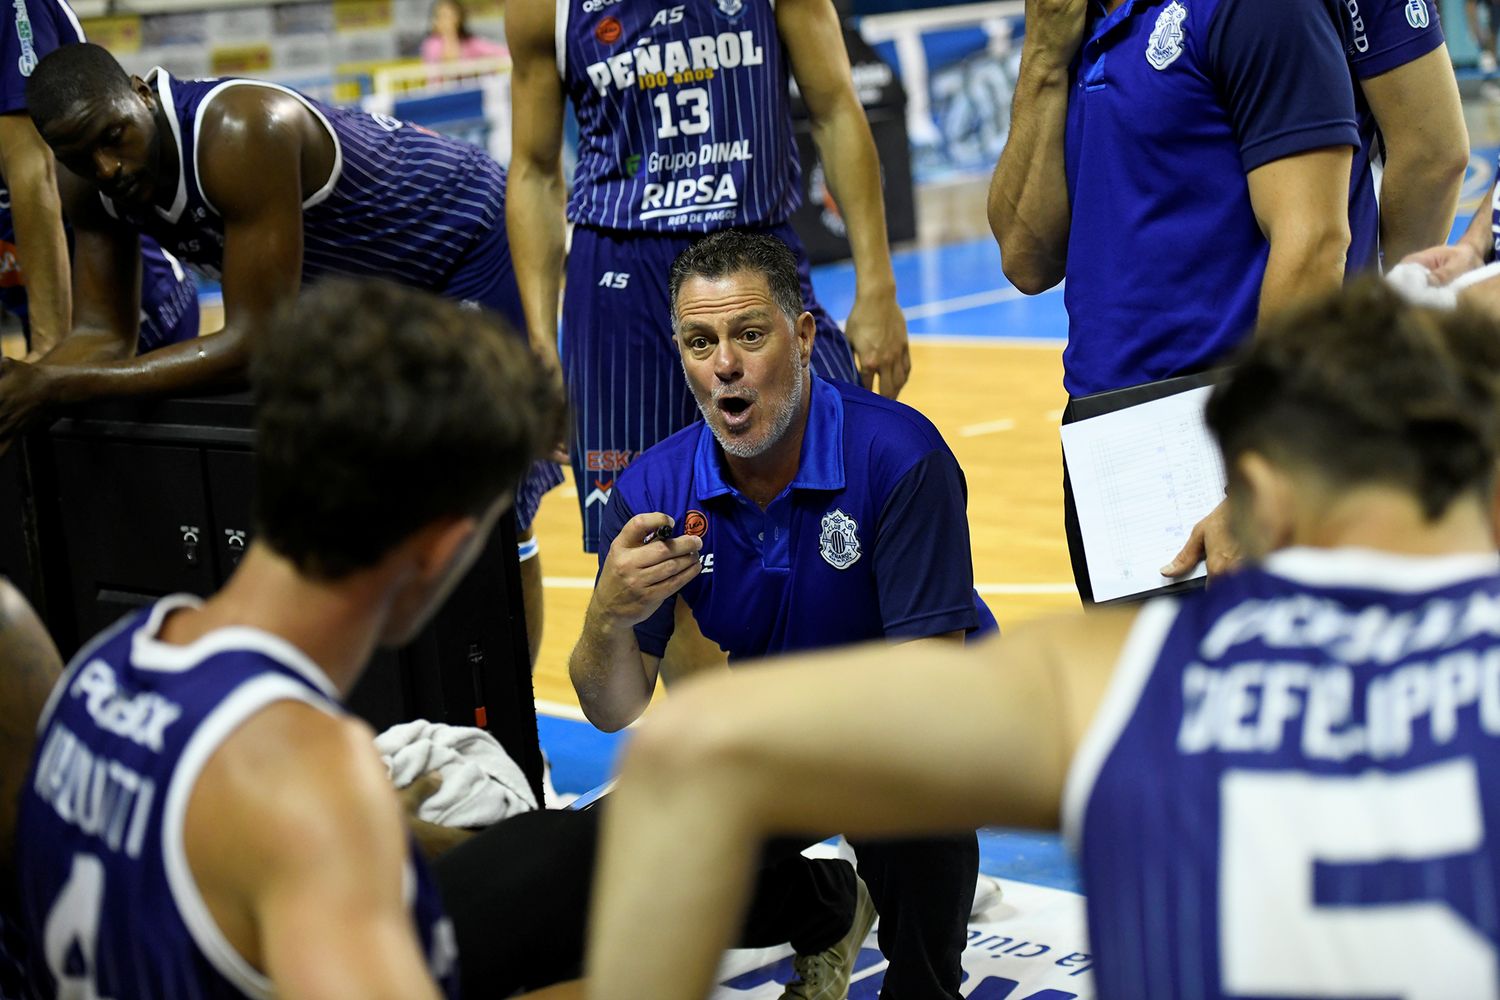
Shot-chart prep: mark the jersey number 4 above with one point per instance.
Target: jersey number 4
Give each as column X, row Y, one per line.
column 1276, row 939
column 70, row 938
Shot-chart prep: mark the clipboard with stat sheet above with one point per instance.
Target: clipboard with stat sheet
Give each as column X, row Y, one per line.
column 1144, row 469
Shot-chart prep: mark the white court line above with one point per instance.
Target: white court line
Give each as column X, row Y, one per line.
column 587, row 583
column 959, row 303
column 991, row 427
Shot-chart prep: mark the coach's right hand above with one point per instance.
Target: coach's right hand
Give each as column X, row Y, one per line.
column 1054, row 29
column 641, row 571
column 1444, row 263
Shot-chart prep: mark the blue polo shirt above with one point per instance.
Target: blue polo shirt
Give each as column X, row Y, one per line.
column 1172, row 105
column 1379, row 36
column 871, row 538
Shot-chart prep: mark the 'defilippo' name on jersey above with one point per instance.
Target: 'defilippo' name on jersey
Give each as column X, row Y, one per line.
column 683, row 112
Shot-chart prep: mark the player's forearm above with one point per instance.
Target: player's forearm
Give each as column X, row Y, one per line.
column 1303, row 263
column 847, row 151
column 534, row 225
column 1418, row 197
column 1028, row 206
column 215, row 360
column 43, row 250
column 608, row 673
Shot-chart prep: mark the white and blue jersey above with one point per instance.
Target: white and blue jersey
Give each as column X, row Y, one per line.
column 870, row 540
column 1380, row 36
column 684, row 118
column 1292, row 786
column 29, row 31
column 400, row 203
column 1172, row 105
column 110, row 905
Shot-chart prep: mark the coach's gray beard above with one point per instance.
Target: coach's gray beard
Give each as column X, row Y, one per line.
column 780, row 420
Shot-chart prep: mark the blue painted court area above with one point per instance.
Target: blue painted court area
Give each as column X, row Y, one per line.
column 582, row 758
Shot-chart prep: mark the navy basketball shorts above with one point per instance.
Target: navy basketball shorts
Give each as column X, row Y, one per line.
column 625, row 381
column 486, row 277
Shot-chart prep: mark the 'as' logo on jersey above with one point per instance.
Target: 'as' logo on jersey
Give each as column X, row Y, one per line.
column 1165, row 43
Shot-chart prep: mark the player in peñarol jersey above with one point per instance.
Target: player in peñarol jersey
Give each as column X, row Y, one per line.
column 201, row 818
column 684, row 128
column 1287, row 785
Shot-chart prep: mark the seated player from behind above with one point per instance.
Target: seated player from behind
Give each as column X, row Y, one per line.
column 1282, row 786
column 800, row 514
column 245, row 820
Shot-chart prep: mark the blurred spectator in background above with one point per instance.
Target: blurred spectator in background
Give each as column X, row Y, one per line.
column 1483, row 33
column 450, row 38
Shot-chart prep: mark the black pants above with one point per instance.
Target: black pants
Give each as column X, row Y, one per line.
column 519, row 892
column 1071, row 529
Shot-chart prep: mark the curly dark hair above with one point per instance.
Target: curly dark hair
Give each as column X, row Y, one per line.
column 382, row 408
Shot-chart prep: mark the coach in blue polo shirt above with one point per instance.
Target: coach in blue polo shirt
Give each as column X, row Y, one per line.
column 1185, row 164
column 802, row 514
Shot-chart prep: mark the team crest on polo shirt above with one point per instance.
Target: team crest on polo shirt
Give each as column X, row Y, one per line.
column 839, row 542
column 1416, row 14
column 1165, row 43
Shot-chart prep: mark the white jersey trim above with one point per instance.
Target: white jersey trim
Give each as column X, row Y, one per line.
column 147, row 652
column 242, row 703
column 72, row 19
column 163, row 81
column 1137, row 659
column 560, row 39
column 318, row 196
column 1370, row 569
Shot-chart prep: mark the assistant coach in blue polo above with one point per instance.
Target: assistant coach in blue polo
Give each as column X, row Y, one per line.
column 804, row 514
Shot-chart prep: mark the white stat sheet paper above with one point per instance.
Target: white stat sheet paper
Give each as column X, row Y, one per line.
column 1142, row 477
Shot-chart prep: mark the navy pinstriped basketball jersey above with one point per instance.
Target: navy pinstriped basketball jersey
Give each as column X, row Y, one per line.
column 110, row 907
column 683, row 114
column 402, row 203
column 1292, row 787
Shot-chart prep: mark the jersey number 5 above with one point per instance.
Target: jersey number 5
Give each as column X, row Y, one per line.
column 1276, row 939
column 73, row 923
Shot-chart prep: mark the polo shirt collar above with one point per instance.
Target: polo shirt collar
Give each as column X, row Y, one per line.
column 820, row 466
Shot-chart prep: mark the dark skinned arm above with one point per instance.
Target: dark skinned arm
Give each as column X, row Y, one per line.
column 254, row 178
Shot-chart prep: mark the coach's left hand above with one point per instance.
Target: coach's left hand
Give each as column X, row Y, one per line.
column 877, row 332
column 23, row 392
column 1212, row 540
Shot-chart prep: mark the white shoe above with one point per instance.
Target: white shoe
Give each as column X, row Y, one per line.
column 1486, row 62
column 987, row 893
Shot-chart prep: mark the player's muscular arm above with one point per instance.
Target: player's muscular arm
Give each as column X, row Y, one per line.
column 252, row 171
column 613, row 678
column 1473, row 249
column 814, row 44
column 1028, row 200
column 1426, row 152
column 302, row 866
column 534, row 187
column 30, row 173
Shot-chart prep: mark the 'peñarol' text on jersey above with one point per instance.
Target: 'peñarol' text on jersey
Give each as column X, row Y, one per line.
column 401, row 203
column 1292, row 786
column 683, row 114
column 110, row 906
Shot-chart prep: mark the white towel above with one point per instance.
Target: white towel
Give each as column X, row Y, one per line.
column 1412, row 280
column 481, row 783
